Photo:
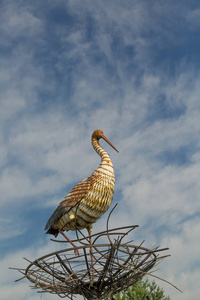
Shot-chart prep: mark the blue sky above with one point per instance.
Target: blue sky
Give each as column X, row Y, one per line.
column 130, row 68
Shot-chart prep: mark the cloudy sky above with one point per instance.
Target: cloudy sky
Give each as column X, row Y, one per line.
column 130, row 68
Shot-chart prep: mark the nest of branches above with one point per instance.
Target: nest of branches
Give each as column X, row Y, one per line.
column 116, row 266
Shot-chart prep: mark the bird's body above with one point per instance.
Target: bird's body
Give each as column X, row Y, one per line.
column 89, row 199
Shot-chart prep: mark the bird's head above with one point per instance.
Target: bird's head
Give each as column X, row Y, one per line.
column 98, row 134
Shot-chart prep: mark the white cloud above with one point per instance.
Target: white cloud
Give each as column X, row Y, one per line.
column 13, row 231
column 182, row 268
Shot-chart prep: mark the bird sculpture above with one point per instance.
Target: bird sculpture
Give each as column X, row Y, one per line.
column 89, row 199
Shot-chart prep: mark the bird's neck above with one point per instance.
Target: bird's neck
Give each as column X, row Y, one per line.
column 102, row 153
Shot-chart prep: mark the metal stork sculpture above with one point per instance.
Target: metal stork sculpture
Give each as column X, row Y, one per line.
column 89, row 199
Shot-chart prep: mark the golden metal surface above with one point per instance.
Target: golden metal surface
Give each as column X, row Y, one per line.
column 90, row 198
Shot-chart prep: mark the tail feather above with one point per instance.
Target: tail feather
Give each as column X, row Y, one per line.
column 53, row 231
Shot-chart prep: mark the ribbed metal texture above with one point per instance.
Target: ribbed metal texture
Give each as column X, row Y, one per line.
column 88, row 200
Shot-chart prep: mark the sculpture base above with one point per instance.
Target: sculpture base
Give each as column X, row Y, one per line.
column 116, row 266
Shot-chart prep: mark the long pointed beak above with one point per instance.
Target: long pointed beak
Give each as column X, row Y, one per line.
column 105, row 138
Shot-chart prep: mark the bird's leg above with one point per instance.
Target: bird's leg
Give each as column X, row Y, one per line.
column 91, row 252
column 75, row 250
column 61, row 231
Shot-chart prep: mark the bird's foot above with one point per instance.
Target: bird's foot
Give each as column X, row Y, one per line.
column 76, row 252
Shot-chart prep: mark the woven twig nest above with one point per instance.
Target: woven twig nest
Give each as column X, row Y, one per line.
column 117, row 265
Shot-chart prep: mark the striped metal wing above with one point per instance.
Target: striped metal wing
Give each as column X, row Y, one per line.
column 72, row 199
